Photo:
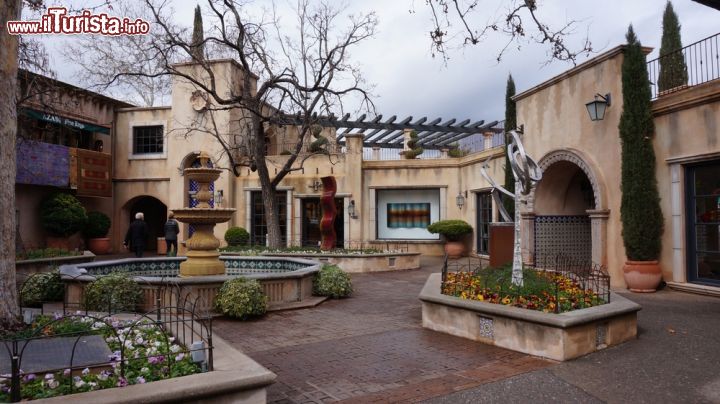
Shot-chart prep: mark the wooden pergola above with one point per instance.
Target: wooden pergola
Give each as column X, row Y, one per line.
column 389, row 133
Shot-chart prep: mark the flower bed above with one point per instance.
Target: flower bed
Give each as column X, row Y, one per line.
column 560, row 336
column 46, row 253
column 260, row 250
column 141, row 352
column 543, row 291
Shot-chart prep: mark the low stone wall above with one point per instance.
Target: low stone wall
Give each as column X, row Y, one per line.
column 362, row 263
column 555, row 336
column 25, row 268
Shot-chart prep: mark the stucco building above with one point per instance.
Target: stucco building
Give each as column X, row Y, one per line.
column 575, row 208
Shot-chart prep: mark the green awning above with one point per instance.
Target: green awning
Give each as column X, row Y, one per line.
column 61, row 120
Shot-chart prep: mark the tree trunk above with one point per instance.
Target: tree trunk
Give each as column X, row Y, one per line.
column 9, row 310
column 270, row 205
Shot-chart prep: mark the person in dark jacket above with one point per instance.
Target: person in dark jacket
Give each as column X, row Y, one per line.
column 171, row 231
column 137, row 235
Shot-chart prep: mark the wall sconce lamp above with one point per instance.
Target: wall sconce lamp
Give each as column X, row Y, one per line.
column 460, row 200
column 597, row 107
column 218, row 197
column 351, row 210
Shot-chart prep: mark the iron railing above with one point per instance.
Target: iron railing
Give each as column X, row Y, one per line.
column 702, row 64
column 178, row 315
column 467, row 278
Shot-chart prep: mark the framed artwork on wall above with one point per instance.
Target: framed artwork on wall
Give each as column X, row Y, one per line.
column 408, row 215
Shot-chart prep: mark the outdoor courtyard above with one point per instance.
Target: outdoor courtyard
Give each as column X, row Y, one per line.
column 306, row 202
column 372, row 348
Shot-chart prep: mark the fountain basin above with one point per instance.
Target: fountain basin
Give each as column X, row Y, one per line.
column 203, row 215
column 287, row 282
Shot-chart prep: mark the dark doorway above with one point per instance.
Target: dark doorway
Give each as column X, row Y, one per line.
column 258, row 225
column 155, row 213
column 311, row 215
column 703, row 223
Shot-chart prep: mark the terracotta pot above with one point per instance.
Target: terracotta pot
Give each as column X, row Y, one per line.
column 454, row 249
column 99, row 246
column 63, row 243
column 642, row 276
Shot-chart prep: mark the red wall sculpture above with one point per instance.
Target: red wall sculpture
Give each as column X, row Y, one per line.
column 329, row 212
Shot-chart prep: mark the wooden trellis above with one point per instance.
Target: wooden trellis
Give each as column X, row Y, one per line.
column 389, row 133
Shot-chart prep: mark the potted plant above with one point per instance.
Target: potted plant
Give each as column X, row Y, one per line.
column 61, row 215
column 453, row 231
column 95, row 231
column 640, row 211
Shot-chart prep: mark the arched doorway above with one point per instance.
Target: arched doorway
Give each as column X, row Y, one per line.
column 155, row 213
column 565, row 204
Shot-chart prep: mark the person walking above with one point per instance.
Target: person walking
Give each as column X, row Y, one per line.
column 137, row 235
column 171, row 231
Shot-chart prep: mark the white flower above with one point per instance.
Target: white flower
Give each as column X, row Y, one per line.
column 53, row 384
column 175, row 348
column 139, row 340
column 79, row 383
column 86, row 371
column 144, row 370
column 157, row 343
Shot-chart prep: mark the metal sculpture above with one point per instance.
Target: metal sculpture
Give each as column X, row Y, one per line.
column 527, row 173
column 329, row 212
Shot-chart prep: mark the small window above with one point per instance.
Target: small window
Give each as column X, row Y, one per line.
column 148, row 139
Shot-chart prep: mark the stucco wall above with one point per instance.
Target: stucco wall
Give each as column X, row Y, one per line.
column 555, row 118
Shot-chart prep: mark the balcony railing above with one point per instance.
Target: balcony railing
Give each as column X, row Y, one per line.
column 702, row 64
column 473, row 144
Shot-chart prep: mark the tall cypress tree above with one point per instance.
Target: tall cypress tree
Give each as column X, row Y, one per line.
column 673, row 70
column 197, row 44
column 510, row 124
column 640, row 207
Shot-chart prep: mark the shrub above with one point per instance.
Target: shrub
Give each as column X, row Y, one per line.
column 414, row 149
column 114, row 292
column 451, row 229
column 241, row 298
column 96, row 225
column 332, row 282
column 235, row 236
column 42, row 287
column 62, row 215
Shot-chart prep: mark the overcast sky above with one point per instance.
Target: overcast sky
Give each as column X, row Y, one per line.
column 409, row 81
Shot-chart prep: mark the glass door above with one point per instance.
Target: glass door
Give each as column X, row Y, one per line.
column 258, row 225
column 311, row 216
column 703, row 223
column 484, row 218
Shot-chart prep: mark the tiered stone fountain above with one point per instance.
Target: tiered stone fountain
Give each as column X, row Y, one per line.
column 202, row 247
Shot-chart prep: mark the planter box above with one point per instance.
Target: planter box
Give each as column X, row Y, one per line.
column 555, row 336
column 361, row 263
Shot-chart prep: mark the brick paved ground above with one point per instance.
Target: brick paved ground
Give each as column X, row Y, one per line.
column 369, row 348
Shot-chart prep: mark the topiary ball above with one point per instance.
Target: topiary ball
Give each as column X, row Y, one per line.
column 236, row 236
column 241, row 298
column 113, row 293
column 451, row 229
column 331, row 281
column 97, row 225
column 62, row 215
